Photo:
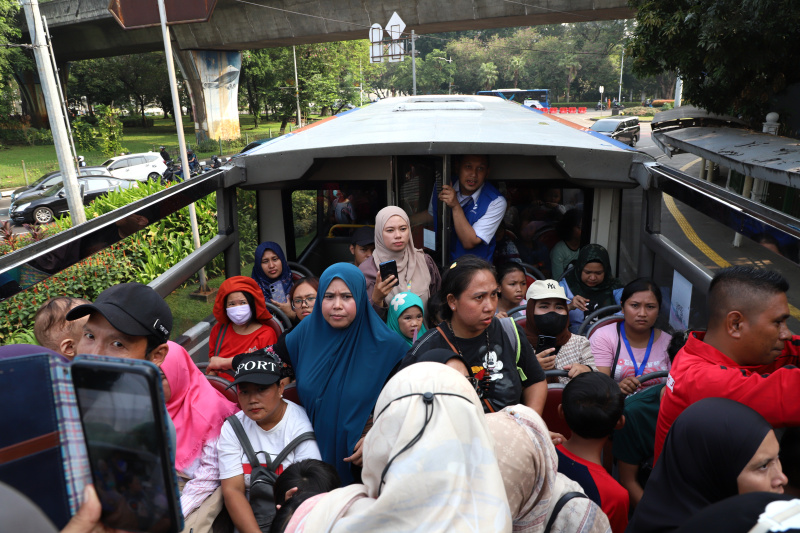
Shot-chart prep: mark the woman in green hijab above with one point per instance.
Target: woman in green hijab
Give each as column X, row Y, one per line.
column 407, row 316
column 589, row 286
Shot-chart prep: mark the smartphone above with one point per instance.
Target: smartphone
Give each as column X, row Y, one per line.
column 389, row 268
column 544, row 343
column 124, row 423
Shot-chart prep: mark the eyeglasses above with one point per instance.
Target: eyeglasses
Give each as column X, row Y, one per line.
column 297, row 302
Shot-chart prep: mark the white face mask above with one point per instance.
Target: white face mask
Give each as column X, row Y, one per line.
column 239, row 314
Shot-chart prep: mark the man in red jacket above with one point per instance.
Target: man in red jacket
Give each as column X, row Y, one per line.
column 748, row 354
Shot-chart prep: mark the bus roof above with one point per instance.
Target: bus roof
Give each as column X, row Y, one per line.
column 439, row 125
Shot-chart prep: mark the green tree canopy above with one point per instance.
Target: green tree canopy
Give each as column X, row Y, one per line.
column 734, row 55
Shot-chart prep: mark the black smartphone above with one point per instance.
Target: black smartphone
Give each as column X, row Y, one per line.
column 389, row 268
column 124, row 423
column 545, row 342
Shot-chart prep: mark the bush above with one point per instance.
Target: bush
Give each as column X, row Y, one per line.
column 208, row 146
column 639, row 111
column 667, row 106
column 136, row 122
column 141, row 257
column 84, row 135
column 659, row 103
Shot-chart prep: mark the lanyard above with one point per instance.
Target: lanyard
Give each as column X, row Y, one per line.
column 638, row 370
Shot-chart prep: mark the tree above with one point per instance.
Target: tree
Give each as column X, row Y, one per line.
column 142, row 76
column 11, row 58
column 110, row 130
column 488, row 75
column 734, row 55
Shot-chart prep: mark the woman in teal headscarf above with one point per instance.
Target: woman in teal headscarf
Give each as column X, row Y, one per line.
column 407, row 316
column 590, row 284
column 342, row 354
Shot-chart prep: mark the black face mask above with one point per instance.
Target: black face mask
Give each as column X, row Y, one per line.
column 550, row 324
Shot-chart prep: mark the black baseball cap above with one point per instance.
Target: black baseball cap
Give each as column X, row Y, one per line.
column 363, row 236
column 132, row 308
column 256, row 367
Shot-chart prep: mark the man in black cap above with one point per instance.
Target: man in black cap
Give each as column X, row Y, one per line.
column 128, row 320
column 362, row 244
column 164, row 154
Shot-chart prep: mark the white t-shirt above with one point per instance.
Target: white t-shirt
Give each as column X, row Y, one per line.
column 232, row 459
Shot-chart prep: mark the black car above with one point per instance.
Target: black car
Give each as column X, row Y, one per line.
column 52, row 179
column 623, row 129
column 50, row 203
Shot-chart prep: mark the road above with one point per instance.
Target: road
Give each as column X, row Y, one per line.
column 5, row 203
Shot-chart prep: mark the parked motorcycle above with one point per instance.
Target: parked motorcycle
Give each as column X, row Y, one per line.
column 173, row 173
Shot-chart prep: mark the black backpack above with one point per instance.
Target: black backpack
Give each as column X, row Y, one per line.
column 262, row 478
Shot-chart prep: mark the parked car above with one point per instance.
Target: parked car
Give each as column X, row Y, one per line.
column 253, row 144
column 622, row 129
column 52, row 202
column 52, row 179
column 140, row 167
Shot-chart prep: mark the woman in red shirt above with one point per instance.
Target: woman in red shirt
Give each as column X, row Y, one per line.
column 241, row 324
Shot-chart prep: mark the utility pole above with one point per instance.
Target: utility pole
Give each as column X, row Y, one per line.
column 176, row 106
column 54, row 111
column 621, row 67
column 296, row 89
column 414, row 61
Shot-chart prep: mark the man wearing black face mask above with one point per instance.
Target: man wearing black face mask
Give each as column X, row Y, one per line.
column 547, row 329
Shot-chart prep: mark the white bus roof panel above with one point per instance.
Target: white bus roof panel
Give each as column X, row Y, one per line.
column 437, row 125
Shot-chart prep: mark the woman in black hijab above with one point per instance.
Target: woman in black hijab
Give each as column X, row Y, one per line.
column 717, row 448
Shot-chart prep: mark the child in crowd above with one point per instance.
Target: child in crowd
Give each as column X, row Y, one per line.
column 270, row 423
column 513, row 285
column 592, row 404
column 406, row 316
column 299, row 482
column 53, row 331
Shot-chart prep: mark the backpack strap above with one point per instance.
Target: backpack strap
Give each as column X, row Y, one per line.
column 616, row 355
column 308, row 435
column 510, row 328
column 233, row 420
column 562, row 501
column 218, row 347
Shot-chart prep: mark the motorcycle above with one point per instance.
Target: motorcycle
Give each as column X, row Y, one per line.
column 600, row 106
column 172, row 173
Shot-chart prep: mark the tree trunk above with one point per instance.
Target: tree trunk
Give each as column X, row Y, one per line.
column 144, row 117
column 284, row 121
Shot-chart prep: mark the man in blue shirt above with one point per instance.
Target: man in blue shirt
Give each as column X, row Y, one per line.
column 477, row 208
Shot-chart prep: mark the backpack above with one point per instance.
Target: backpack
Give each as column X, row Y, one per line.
column 262, row 478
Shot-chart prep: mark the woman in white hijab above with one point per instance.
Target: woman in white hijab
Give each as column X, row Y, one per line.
column 429, row 464
column 529, row 466
column 416, row 271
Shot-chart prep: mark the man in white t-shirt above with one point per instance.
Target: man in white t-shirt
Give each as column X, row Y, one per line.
column 270, row 423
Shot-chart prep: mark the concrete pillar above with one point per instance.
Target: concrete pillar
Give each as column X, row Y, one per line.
column 31, row 90
column 702, row 168
column 33, row 99
column 213, row 80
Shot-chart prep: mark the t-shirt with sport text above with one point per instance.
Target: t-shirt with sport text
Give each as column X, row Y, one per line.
column 232, row 459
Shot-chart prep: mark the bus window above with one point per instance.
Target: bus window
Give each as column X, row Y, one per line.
column 531, row 225
column 304, row 217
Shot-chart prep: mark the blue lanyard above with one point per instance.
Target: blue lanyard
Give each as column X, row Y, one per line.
column 638, row 370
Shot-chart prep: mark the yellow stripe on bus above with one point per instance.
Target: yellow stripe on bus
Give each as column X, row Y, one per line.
column 702, row 246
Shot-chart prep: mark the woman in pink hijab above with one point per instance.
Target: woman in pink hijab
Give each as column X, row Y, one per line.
column 198, row 410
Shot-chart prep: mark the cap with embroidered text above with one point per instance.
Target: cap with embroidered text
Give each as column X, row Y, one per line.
column 545, row 288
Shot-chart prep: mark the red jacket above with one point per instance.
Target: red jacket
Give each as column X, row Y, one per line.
column 701, row 371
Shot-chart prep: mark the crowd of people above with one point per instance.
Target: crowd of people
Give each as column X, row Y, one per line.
column 420, row 401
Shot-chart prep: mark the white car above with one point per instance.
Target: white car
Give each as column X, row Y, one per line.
column 140, row 167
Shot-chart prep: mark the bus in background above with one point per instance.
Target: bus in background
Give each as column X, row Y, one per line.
column 535, row 98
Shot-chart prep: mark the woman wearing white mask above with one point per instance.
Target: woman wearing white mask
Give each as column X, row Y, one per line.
column 241, row 324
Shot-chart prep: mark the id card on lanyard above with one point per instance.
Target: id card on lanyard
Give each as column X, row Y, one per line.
column 638, row 370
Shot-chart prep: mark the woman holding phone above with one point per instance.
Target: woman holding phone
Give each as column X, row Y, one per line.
column 416, row 271
column 547, row 329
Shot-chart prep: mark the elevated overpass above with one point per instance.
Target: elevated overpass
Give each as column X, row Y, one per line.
column 208, row 53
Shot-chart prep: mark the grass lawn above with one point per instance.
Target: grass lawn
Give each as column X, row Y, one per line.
column 42, row 159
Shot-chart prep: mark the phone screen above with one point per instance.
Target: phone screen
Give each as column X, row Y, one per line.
column 128, row 450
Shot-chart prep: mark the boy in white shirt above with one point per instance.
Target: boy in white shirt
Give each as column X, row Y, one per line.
column 270, row 423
